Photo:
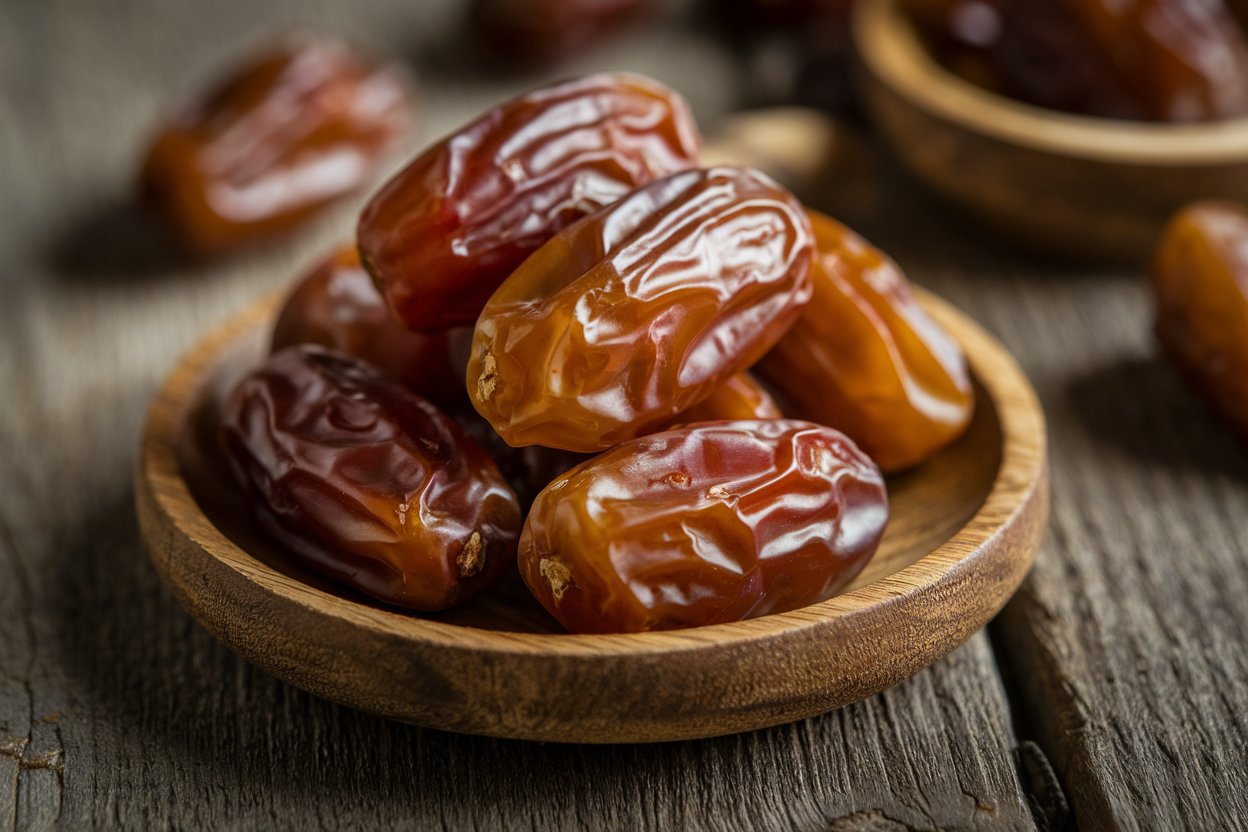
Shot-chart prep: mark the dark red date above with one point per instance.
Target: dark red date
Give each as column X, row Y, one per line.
column 366, row 482
column 287, row 133
column 443, row 234
column 1158, row 60
column 544, row 32
column 705, row 524
column 338, row 306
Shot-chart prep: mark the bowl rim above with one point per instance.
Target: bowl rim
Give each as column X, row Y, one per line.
column 889, row 48
column 1023, row 466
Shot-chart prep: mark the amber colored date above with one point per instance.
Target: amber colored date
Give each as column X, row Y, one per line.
column 1160, row 60
column 543, row 32
column 284, row 135
column 530, row 468
column 337, row 305
column 703, row 525
column 638, row 312
column 366, row 482
column 866, row 359
column 444, row 232
column 1200, row 288
column 740, row 397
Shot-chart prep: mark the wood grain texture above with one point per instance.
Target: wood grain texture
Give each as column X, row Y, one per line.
column 1090, row 187
column 1125, row 647
column 144, row 719
column 962, row 531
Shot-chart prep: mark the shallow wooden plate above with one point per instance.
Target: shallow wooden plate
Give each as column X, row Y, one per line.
column 1089, row 187
column 962, row 535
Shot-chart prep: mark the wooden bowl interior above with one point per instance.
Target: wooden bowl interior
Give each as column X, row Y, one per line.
column 928, row 505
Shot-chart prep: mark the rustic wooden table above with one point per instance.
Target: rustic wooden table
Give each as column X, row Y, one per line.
column 1112, row 692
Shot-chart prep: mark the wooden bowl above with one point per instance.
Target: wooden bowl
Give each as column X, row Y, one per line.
column 963, row 532
column 1089, row 187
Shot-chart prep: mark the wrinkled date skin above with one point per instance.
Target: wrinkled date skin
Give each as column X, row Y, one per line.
column 443, row 234
column 637, row 313
column 738, row 398
column 865, row 358
column 544, row 32
column 531, row 468
column 1200, row 288
column 703, row 525
column 1158, row 60
column 338, row 306
column 366, row 482
column 287, row 133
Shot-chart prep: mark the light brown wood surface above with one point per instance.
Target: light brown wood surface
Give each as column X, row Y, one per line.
column 1085, row 186
column 962, row 532
column 1120, row 660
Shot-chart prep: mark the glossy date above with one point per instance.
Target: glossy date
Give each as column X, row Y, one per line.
column 364, row 481
column 638, row 312
column 740, row 397
column 703, row 525
column 444, row 232
column 1200, row 289
column 1159, row 60
column 287, row 133
column 338, row 306
column 866, row 359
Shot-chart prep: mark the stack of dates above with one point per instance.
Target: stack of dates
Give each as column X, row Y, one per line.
column 690, row 383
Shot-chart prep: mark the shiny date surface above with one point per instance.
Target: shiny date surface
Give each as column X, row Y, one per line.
column 1200, row 290
column 337, row 305
column 740, row 397
column 864, row 358
column 1159, row 60
column 444, row 232
column 365, row 482
column 297, row 127
column 702, row 525
column 639, row 312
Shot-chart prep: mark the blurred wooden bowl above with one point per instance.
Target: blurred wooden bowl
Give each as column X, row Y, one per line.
column 1088, row 187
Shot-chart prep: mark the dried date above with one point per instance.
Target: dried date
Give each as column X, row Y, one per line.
column 638, row 312
column 287, row 133
column 338, row 306
column 364, row 481
column 444, row 232
column 1200, row 289
column 703, row 525
column 740, row 397
column 1160, row 60
column 866, row 359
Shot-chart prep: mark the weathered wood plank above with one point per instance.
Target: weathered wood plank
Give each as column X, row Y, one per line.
column 1126, row 645
column 119, row 710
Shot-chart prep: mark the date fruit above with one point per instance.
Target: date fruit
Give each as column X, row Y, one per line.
column 287, row 133
column 1200, row 288
column 638, row 312
column 545, row 32
column 338, row 306
column 740, row 397
column 364, row 481
column 444, row 232
column 1160, row 60
column 703, row 525
column 866, row 359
